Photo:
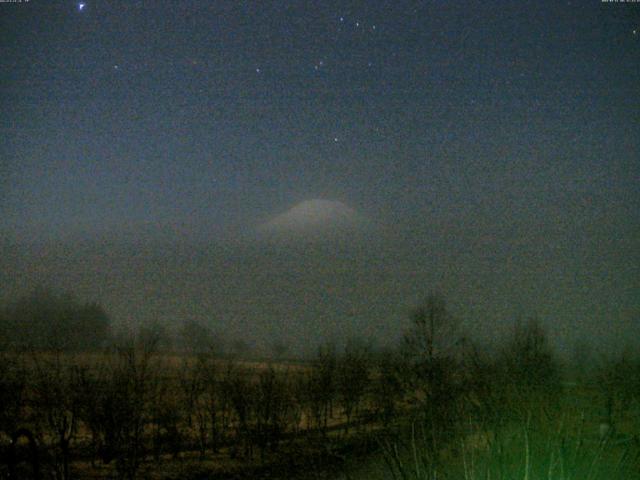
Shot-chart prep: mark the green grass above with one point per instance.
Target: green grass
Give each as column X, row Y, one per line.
column 558, row 443
column 531, row 452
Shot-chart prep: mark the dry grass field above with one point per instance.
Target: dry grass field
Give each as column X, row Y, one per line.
column 131, row 413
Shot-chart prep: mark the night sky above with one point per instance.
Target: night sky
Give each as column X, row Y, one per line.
column 498, row 143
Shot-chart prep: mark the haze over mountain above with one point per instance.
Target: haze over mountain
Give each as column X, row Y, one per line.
column 304, row 288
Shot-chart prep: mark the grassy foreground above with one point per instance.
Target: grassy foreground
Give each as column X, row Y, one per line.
column 559, row 438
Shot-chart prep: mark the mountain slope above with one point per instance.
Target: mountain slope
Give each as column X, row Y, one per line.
column 314, row 217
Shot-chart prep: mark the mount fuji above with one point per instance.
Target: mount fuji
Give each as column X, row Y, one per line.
column 316, row 216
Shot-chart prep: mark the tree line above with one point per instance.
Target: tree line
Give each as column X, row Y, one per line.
column 46, row 320
column 131, row 404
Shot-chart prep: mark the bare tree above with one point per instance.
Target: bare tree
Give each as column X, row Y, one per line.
column 116, row 407
column 240, row 391
column 15, row 383
column 211, row 402
column 352, row 378
column 271, row 409
column 484, row 398
column 387, row 389
column 14, row 378
column 321, row 387
column 298, row 394
column 430, row 346
column 57, row 407
column 167, row 415
column 528, row 359
column 530, row 372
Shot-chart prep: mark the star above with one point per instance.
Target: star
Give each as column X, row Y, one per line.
column 258, row 70
column 81, row 6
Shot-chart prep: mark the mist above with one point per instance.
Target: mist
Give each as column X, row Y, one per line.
column 355, row 280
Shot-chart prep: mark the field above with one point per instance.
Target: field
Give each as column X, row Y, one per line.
column 137, row 412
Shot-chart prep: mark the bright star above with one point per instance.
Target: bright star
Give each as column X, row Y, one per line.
column 81, row 6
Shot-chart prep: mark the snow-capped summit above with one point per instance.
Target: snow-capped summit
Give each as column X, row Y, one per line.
column 311, row 216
